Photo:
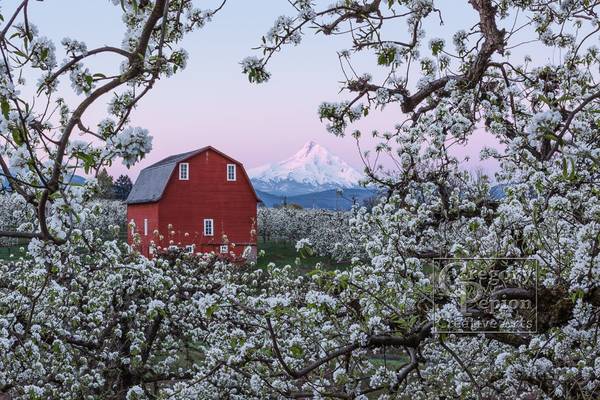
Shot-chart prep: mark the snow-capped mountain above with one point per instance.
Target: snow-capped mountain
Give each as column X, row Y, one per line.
column 311, row 169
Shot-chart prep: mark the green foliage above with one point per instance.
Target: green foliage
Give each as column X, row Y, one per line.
column 386, row 55
column 122, row 187
column 282, row 253
column 437, row 46
column 5, row 106
column 105, row 185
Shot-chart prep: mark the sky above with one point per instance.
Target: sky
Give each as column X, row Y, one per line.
column 212, row 103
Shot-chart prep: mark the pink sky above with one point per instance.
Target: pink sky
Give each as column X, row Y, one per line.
column 212, row 103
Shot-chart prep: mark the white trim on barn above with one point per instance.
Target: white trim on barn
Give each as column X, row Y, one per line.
column 231, row 172
column 209, row 227
column 184, row 171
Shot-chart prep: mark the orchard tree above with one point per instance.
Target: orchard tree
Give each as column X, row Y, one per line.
column 328, row 232
column 73, row 321
column 86, row 317
column 46, row 139
column 449, row 91
column 122, row 187
column 105, row 184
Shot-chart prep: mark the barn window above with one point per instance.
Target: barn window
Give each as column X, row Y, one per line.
column 224, row 249
column 145, row 226
column 184, row 171
column 189, row 249
column 231, row 172
column 208, row 227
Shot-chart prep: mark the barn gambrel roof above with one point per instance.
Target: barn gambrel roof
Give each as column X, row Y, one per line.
column 152, row 181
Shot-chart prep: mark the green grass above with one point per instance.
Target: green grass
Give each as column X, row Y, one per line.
column 284, row 253
column 280, row 253
column 391, row 362
column 14, row 251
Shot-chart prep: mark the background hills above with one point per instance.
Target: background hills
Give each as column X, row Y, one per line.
column 311, row 178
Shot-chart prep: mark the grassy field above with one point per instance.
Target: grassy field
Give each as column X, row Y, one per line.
column 280, row 253
column 13, row 252
column 284, row 253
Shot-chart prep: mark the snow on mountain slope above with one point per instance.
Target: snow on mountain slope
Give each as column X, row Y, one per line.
column 311, row 169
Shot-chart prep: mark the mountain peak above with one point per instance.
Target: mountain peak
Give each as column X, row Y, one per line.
column 310, row 145
column 311, row 149
column 313, row 168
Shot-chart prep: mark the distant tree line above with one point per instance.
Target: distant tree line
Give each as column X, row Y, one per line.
column 368, row 202
column 112, row 189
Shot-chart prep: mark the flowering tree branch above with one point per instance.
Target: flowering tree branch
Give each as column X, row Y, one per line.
column 153, row 29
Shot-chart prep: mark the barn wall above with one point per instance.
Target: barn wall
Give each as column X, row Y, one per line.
column 137, row 213
column 208, row 194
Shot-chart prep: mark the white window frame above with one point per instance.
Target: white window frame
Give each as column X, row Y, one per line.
column 189, row 249
column 224, row 249
column 145, row 226
column 233, row 168
column 186, row 176
column 211, row 231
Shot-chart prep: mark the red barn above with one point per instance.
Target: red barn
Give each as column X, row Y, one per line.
column 200, row 201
